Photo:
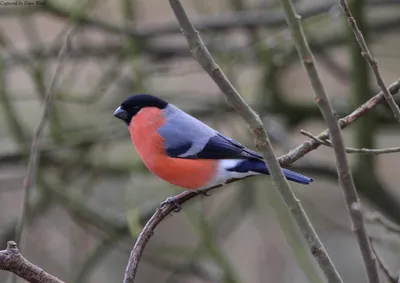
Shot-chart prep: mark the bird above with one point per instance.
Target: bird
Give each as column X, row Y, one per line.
column 184, row 151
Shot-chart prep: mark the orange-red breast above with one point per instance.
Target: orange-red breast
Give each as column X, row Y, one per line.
column 184, row 151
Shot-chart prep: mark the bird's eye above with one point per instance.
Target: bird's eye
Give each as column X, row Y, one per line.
column 136, row 109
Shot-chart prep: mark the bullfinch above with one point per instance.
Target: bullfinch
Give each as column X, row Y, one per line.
column 184, row 151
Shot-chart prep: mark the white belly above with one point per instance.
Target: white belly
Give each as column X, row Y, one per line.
column 224, row 175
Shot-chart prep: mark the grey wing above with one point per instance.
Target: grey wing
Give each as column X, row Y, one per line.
column 187, row 137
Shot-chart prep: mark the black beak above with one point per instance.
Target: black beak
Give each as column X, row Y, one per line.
column 121, row 113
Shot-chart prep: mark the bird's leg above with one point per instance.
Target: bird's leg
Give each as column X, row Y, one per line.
column 173, row 200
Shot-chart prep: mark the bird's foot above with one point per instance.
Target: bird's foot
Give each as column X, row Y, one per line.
column 174, row 201
column 206, row 193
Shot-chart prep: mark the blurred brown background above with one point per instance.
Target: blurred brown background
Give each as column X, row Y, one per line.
column 93, row 194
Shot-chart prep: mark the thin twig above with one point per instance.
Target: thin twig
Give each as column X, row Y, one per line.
column 30, row 178
column 351, row 149
column 371, row 61
column 385, row 223
column 33, row 163
column 345, row 177
column 383, row 266
column 307, row 146
column 202, row 55
column 11, row 260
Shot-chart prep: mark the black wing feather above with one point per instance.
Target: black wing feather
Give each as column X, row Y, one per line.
column 218, row 147
column 179, row 149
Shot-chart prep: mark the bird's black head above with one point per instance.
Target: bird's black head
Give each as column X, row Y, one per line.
column 133, row 104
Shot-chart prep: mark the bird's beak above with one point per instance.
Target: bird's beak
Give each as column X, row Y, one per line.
column 121, row 113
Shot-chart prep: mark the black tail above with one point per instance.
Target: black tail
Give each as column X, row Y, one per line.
column 259, row 166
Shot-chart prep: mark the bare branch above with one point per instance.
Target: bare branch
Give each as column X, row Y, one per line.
column 345, row 177
column 382, row 265
column 30, row 178
column 308, row 146
column 351, row 149
column 371, row 61
column 142, row 239
column 385, row 223
column 11, row 260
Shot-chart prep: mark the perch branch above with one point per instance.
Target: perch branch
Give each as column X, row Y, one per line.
column 345, row 177
column 351, row 149
column 11, row 260
column 371, row 61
